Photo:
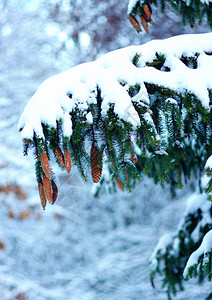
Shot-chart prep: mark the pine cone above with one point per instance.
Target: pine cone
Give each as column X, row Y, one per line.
column 134, row 158
column 2, row 246
column 146, row 12
column 55, row 191
column 144, row 23
column 134, row 23
column 120, row 185
column 45, row 165
column 59, row 155
column 67, row 158
column 96, row 172
column 47, row 189
column 42, row 195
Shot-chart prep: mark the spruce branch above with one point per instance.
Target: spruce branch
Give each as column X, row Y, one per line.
column 192, row 12
column 145, row 104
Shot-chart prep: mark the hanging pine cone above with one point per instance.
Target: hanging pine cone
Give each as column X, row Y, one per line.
column 67, row 158
column 134, row 158
column 134, row 23
column 59, row 154
column 144, row 24
column 120, row 185
column 42, row 195
column 146, row 13
column 55, row 191
column 96, row 172
column 47, row 189
column 45, row 165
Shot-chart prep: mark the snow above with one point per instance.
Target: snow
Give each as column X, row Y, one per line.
column 206, row 1
column 131, row 4
column 161, row 152
column 141, row 96
column 205, row 247
column 89, row 118
column 196, row 201
column 89, row 252
column 51, row 103
column 6, row 30
column 67, row 125
column 161, row 246
column 84, row 39
column 209, row 163
column 171, row 101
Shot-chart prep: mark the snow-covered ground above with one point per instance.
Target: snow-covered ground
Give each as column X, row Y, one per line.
column 82, row 248
column 93, row 249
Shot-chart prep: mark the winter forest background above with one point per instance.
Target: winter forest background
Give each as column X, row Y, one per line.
column 82, row 247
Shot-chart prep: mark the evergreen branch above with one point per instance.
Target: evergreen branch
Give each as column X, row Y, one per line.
column 171, row 121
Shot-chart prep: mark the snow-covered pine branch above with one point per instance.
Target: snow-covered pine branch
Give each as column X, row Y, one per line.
column 155, row 96
column 200, row 260
column 170, row 255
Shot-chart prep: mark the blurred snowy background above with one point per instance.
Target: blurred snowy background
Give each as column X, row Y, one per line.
column 82, row 247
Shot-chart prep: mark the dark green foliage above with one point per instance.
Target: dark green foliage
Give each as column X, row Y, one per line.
column 77, row 144
column 209, row 186
column 190, row 62
column 170, row 259
column 136, row 59
column 119, row 148
column 192, row 13
column 158, row 62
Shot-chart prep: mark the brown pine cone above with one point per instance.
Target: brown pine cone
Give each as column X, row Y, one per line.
column 59, row 154
column 134, row 158
column 120, row 185
column 96, row 172
column 134, row 23
column 144, row 23
column 42, row 195
column 47, row 189
column 45, row 165
column 55, row 191
column 2, row 246
column 67, row 158
column 146, row 13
